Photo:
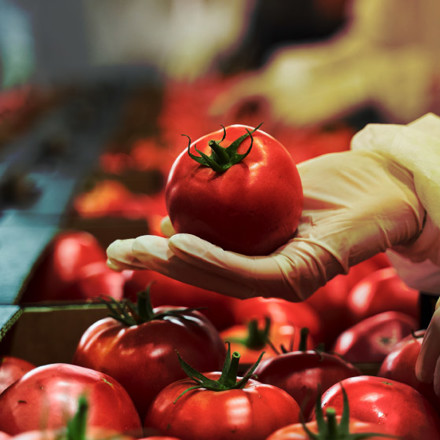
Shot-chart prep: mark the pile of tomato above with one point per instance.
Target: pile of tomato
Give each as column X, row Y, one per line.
column 173, row 361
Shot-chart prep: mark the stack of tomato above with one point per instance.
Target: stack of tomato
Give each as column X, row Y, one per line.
column 168, row 372
column 175, row 360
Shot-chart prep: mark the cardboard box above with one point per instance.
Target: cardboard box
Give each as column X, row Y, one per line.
column 43, row 335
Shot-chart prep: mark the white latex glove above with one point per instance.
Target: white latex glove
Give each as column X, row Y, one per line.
column 356, row 204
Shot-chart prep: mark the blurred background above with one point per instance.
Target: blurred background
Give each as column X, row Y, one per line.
column 96, row 94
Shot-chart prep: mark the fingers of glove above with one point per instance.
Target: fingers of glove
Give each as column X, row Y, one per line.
column 166, row 227
column 293, row 272
column 156, row 254
column 120, row 256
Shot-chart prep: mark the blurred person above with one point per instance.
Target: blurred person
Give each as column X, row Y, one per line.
column 385, row 56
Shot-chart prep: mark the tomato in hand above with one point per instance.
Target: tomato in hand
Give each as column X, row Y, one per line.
column 246, row 197
column 137, row 346
column 373, row 338
column 47, row 395
column 398, row 408
column 217, row 406
column 11, row 369
column 304, row 374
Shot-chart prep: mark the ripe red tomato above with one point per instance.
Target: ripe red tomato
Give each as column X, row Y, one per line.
column 382, row 291
column 400, row 365
column 252, row 208
column 219, row 309
column 297, row 432
column 140, row 352
column 248, row 413
column 258, row 336
column 11, row 369
column 56, row 277
column 330, row 301
column 280, row 311
column 372, row 339
column 303, row 373
column 48, row 395
column 399, row 408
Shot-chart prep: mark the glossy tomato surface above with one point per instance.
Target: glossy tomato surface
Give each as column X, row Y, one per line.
column 143, row 357
column 47, row 396
column 251, row 413
column 11, row 369
column 382, row 291
column 398, row 407
column 400, row 365
column 303, row 373
column 373, row 338
column 251, row 208
column 296, row 431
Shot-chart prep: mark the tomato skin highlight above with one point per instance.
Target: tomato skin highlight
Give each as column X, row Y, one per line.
column 400, row 365
column 48, row 395
column 251, row 413
column 11, row 369
column 252, row 208
column 303, row 373
column 398, row 407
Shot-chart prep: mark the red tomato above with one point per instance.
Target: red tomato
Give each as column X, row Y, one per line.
column 253, row 207
column 11, row 369
column 249, row 413
column 257, row 336
column 280, row 311
column 47, row 395
column 372, row 339
column 141, row 353
column 56, row 277
column 303, row 373
column 330, row 301
column 97, row 280
column 167, row 291
column 296, row 431
column 382, row 291
column 398, row 408
column 400, row 365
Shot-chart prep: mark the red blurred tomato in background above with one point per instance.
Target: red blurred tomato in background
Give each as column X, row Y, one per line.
column 372, row 339
column 382, row 291
column 400, row 365
column 219, row 309
column 11, row 369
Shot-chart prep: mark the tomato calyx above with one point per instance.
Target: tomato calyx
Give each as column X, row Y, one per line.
column 222, row 158
column 130, row 314
column 256, row 338
column 330, row 429
column 226, row 381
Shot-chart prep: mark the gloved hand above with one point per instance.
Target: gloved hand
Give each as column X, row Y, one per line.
column 356, row 204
